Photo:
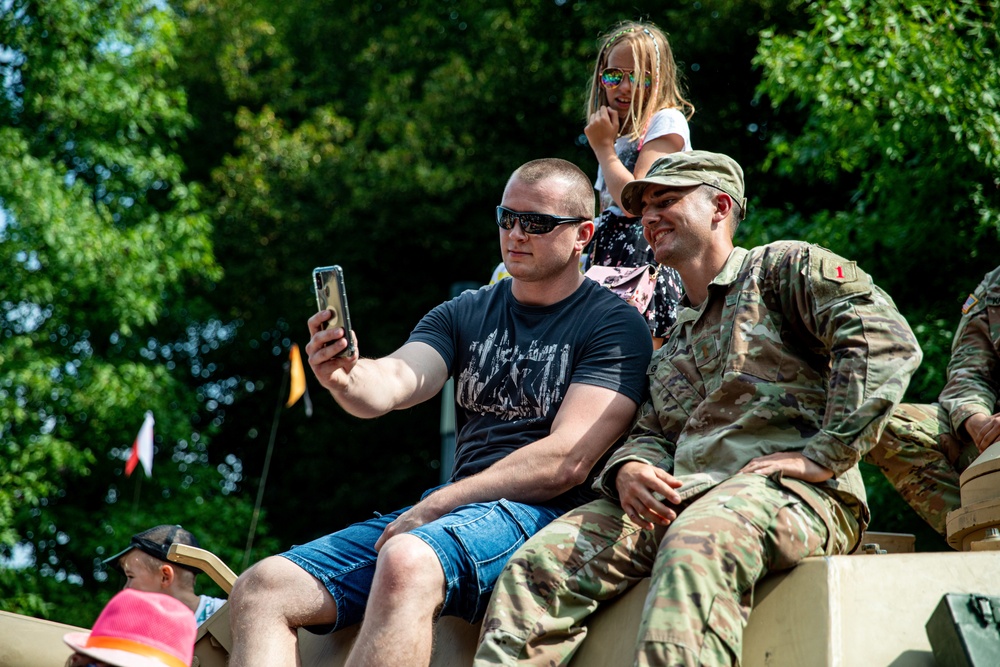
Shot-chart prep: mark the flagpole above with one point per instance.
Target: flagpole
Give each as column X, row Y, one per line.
column 267, row 465
column 135, row 500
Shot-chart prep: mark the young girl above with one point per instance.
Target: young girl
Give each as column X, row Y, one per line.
column 636, row 114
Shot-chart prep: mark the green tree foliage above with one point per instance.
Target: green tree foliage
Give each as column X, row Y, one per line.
column 102, row 246
column 903, row 132
column 896, row 163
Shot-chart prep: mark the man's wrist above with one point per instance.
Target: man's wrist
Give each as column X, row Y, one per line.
column 631, row 463
column 971, row 424
column 961, row 415
column 609, row 478
column 439, row 502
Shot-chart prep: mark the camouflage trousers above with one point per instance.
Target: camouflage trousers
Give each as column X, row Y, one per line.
column 703, row 568
column 922, row 459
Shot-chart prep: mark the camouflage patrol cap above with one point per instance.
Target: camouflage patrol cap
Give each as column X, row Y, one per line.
column 685, row 169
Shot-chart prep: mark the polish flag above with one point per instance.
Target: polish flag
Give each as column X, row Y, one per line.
column 142, row 448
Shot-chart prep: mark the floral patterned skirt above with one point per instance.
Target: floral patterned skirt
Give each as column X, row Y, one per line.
column 618, row 241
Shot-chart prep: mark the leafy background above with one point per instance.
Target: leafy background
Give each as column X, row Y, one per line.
column 171, row 171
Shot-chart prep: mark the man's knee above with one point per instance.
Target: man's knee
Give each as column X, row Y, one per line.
column 407, row 564
column 264, row 583
column 277, row 591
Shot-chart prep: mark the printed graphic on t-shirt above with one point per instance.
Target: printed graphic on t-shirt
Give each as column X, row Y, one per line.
column 511, row 383
column 629, row 155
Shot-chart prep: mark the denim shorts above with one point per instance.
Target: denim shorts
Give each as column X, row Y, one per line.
column 473, row 543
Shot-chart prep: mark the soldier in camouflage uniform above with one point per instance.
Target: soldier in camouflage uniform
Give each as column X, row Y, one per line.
column 777, row 378
column 926, row 447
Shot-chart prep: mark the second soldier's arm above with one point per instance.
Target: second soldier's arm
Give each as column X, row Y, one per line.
column 970, row 395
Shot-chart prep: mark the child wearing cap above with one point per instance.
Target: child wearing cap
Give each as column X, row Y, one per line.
column 146, row 568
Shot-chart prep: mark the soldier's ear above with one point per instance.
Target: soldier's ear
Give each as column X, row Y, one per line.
column 723, row 206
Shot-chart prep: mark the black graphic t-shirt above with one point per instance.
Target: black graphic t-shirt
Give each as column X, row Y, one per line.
column 513, row 364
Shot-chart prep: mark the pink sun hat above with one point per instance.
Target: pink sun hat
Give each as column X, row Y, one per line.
column 138, row 629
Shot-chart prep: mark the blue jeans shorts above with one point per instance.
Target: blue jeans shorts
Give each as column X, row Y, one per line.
column 473, row 543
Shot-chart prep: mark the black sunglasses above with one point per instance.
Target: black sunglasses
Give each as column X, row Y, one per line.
column 532, row 223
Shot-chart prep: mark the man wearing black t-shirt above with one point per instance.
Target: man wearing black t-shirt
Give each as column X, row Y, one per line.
column 549, row 368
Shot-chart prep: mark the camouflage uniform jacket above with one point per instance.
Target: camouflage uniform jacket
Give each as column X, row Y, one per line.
column 794, row 349
column 975, row 357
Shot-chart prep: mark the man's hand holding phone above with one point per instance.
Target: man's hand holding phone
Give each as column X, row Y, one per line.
column 325, row 351
column 332, row 350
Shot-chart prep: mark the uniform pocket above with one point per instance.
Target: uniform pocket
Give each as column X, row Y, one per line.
column 756, row 347
column 671, row 390
column 725, row 625
column 758, row 509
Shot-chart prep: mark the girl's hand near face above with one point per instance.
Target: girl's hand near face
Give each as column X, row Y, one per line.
column 602, row 130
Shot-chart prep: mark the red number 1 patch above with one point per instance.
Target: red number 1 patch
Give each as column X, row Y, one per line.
column 839, row 271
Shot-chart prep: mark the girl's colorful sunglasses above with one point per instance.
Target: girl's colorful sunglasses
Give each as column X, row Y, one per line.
column 612, row 77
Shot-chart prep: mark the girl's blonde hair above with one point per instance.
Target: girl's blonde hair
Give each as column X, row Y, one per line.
column 651, row 53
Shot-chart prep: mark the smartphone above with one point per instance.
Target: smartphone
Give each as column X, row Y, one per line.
column 331, row 295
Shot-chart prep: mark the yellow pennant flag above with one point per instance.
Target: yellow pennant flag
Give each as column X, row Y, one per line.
column 298, row 376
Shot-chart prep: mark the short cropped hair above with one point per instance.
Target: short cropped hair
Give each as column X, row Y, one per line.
column 737, row 213
column 580, row 200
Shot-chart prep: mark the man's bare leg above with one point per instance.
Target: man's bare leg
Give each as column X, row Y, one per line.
column 399, row 621
column 268, row 602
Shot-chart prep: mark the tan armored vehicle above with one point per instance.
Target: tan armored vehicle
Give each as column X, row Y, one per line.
column 866, row 610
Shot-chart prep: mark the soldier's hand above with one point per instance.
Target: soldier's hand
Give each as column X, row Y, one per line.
column 640, row 487
column 984, row 430
column 791, row 464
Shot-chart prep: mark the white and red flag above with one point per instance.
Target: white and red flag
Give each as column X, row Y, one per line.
column 142, row 448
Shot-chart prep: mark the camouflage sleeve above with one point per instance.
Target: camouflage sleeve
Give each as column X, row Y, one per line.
column 645, row 443
column 971, row 387
column 872, row 350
